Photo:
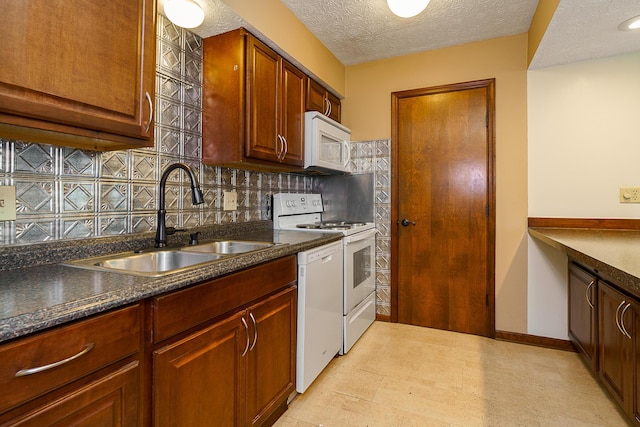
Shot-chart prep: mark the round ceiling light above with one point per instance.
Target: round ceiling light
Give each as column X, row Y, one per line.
column 407, row 8
column 184, row 13
column 630, row 24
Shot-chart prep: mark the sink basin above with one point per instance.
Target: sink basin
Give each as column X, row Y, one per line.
column 156, row 263
column 228, row 247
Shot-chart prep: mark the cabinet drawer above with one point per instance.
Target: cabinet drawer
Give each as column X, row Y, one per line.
column 182, row 310
column 66, row 354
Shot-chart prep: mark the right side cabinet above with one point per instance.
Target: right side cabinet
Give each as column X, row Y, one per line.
column 619, row 347
column 320, row 99
column 604, row 324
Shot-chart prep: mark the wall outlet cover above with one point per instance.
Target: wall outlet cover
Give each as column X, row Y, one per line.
column 629, row 194
column 7, row 203
column 230, row 201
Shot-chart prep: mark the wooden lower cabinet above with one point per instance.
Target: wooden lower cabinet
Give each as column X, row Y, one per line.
column 583, row 319
column 235, row 372
column 87, row 373
column 198, row 380
column 618, row 349
column 223, row 351
column 634, row 408
column 271, row 359
column 110, row 401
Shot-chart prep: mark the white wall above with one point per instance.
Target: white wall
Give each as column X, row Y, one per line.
column 584, row 143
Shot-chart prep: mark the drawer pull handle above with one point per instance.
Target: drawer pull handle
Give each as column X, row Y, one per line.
column 255, row 331
column 618, row 318
column 31, row 371
column 146, row 129
column 623, row 327
column 588, row 293
column 246, row 329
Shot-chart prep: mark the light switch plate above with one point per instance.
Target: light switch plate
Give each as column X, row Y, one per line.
column 230, row 201
column 7, row 203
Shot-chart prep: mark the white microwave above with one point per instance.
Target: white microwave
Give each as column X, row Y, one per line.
column 326, row 144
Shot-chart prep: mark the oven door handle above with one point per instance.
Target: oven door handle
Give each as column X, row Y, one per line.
column 360, row 236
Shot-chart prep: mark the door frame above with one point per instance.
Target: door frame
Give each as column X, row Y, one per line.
column 489, row 86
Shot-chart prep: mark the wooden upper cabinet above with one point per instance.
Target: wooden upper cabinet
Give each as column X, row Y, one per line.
column 78, row 73
column 253, row 105
column 320, row 99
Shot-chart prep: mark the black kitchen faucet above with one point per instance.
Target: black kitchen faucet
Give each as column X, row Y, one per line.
column 196, row 194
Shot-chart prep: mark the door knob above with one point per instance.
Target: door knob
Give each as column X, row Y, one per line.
column 405, row 222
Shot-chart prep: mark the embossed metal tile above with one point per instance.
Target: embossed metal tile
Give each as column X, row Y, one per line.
column 34, row 158
column 78, row 162
column 35, row 197
column 78, row 197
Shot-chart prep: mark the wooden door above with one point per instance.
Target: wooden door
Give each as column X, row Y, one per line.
column 443, row 193
column 614, row 345
column 198, row 381
column 583, row 321
column 95, row 73
column 263, row 76
column 272, row 356
column 292, row 113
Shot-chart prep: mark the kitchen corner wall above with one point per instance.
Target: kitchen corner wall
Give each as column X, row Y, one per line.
column 375, row 157
column 66, row 193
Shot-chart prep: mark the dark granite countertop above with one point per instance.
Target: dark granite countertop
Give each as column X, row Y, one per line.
column 38, row 297
column 616, row 253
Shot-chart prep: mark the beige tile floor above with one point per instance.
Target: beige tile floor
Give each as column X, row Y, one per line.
column 401, row 375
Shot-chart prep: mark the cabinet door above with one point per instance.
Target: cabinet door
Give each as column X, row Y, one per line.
column 335, row 107
column 71, row 64
column 583, row 321
column 632, row 325
column 316, row 97
column 263, row 74
column 614, row 345
column 110, row 401
column 271, row 362
column 198, row 381
column 292, row 114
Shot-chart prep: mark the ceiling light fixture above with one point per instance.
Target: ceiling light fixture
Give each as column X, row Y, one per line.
column 407, row 8
column 184, row 13
column 630, row 24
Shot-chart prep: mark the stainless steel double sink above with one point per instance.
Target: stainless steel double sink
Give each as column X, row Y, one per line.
column 161, row 262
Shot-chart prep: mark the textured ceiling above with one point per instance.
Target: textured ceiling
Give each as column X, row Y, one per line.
column 359, row 31
column 587, row 29
column 364, row 30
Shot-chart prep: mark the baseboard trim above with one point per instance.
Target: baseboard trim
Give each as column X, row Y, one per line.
column 554, row 343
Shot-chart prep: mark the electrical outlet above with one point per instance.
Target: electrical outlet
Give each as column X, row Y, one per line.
column 629, row 194
column 7, row 203
column 230, row 200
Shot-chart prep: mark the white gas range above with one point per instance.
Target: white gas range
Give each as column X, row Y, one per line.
column 303, row 212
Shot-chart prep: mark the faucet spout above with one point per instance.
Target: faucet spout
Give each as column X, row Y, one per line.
column 196, row 195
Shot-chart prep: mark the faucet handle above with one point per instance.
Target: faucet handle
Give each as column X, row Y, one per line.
column 193, row 238
column 173, row 230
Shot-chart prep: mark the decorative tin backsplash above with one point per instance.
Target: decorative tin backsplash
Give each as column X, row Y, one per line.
column 65, row 193
column 368, row 157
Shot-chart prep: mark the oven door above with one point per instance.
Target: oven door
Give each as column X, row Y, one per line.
column 359, row 268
